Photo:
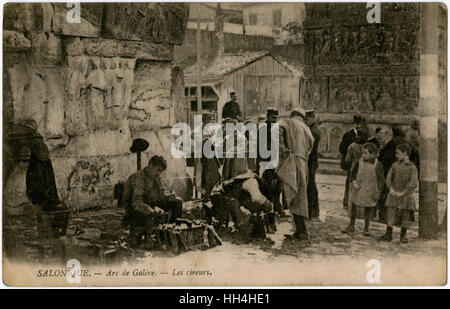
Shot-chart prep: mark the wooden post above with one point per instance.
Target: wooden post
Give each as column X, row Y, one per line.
column 429, row 111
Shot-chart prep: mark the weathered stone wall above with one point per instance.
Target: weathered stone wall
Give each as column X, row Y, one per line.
column 352, row 66
column 92, row 87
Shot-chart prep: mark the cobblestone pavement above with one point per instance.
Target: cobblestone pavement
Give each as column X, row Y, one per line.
column 327, row 238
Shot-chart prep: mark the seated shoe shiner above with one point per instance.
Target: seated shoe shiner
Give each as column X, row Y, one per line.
column 244, row 190
column 148, row 204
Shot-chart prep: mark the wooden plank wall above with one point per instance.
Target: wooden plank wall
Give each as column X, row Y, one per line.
column 284, row 84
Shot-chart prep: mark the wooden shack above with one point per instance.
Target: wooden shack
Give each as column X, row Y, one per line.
column 259, row 79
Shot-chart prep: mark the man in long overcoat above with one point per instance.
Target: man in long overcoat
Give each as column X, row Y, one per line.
column 296, row 143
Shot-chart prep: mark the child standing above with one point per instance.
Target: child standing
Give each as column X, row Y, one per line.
column 367, row 181
column 354, row 152
column 401, row 181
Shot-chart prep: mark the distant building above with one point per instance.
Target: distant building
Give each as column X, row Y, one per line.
column 259, row 79
column 285, row 19
column 205, row 12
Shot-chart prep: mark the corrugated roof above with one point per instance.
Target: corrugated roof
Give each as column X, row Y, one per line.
column 225, row 64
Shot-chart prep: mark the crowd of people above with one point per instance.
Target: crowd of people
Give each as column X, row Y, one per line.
column 381, row 178
column 239, row 188
column 382, row 174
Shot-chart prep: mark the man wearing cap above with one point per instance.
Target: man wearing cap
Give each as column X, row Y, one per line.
column 210, row 166
column 231, row 109
column 236, row 164
column 145, row 200
column 271, row 184
column 348, row 138
column 313, row 164
column 295, row 148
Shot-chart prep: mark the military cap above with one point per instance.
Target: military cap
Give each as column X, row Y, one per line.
column 309, row 113
column 299, row 111
column 272, row 111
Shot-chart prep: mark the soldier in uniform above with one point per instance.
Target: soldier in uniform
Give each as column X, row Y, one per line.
column 231, row 109
column 234, row 162
column 270, row 182
column 146, row 200
column 210, row 175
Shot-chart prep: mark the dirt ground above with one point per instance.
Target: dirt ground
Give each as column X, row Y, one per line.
column 96, row 237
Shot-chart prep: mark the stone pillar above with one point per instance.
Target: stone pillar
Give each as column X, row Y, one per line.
column 429, row 111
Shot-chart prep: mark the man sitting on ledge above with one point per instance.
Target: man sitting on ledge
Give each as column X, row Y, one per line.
column 146, row 202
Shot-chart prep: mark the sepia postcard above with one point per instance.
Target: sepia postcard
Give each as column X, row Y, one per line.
column 224, row 144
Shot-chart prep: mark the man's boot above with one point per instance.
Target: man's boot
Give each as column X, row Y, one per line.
column 258, row 230
column 270, row 223
column 387, row 236
column 300, row 233
column 297, row 228
column 366, row 227
column 350, row 229
column 403, row 238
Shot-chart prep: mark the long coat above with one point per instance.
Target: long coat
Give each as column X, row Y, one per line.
column 298, row 141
